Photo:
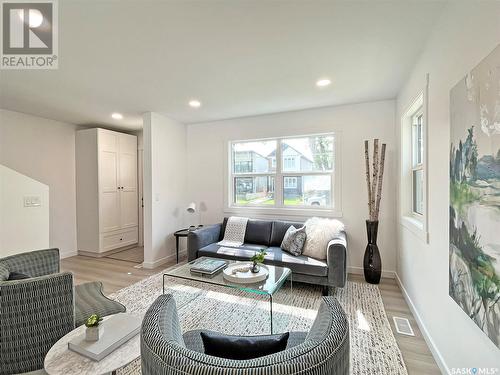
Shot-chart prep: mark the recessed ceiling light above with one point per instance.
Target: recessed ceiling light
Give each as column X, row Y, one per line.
column 195, row 103
column 117, row 116
column 323, row 82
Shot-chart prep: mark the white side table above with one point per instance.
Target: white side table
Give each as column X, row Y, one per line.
column 62, row 361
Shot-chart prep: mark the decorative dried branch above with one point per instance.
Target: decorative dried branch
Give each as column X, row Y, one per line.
column 367, row 164
column 374, row 178
column 380, row 179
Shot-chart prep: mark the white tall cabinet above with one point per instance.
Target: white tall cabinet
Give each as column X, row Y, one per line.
column 106, row 191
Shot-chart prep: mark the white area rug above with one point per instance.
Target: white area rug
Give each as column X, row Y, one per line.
column 374, row 350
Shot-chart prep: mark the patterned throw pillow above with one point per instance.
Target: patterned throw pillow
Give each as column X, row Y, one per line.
column 294, row 240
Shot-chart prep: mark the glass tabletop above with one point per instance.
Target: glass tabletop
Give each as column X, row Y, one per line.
column 277, row 277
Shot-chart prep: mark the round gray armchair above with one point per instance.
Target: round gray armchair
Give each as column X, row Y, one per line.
column 324, row 350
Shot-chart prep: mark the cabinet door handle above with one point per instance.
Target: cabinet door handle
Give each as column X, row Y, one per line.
column 121, row 239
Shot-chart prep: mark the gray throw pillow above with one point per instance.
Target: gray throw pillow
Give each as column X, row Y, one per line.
column 294, row 240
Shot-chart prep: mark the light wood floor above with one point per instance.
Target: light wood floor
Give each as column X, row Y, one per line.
column 117, row 274
column 135, row 254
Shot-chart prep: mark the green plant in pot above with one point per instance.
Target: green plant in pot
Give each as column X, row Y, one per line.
column 94, row 330
column 257, row 259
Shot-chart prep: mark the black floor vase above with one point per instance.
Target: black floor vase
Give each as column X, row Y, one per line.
column 372, row 263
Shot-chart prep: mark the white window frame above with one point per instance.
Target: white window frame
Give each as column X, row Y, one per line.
column 279, row 209
column 291, row 159
column 416, row 165
column 413, row 221
column 273, row 162
column 289, row 182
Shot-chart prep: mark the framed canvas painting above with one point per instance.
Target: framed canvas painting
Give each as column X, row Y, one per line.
column 474, row 252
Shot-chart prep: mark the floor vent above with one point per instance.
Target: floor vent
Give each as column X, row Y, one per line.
column 403, row 326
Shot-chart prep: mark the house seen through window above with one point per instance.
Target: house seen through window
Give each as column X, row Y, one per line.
column 283, row 172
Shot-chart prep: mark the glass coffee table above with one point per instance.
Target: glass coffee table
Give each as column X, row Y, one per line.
column 273, row 283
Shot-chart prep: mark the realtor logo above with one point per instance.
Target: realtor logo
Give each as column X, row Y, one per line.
column 29, row 34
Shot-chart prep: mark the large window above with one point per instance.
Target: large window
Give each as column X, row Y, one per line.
column 292, row 172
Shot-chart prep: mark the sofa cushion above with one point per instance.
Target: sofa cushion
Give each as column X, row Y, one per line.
column 258, row 231
column 298, row 264
column 279, row 230
column 275, row 256
column 244, row 252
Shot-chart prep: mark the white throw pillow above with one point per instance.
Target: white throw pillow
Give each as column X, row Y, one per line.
column 319, row 233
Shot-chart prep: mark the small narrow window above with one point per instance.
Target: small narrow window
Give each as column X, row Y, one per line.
column 290, row 183
column 413, row 185
column 417, row 162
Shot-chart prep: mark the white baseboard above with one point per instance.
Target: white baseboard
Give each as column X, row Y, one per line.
column 425, row 333
column 360, row 271
column 68, row 254
column 159, row 262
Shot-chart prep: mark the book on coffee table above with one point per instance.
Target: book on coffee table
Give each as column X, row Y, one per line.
column 117, row 330
column 208, row 266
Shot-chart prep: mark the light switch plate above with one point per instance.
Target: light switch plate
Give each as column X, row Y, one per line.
column 32, row 201
column 36, row 201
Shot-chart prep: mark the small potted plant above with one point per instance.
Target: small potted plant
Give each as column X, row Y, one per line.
column 257, row 259
column 93, row 331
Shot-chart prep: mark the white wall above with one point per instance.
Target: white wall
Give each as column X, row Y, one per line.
column 355, row 123
column 164, row 186
column 45, row 151
column 466, row 33
column 140, row 183
column 21, row 227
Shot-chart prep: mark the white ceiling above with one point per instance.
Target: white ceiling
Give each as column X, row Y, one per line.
column 237, row 57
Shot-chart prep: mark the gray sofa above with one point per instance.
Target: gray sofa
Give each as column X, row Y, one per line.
column 269, row 235
column 324, row 350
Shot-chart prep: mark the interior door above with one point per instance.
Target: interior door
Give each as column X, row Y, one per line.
column 128, row 180
column 109, row 204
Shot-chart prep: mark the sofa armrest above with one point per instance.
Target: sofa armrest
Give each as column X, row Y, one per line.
column 160, row 324
column 34, row 263
column 35, row 314
column 201, row 238
column 337, row 260
column 90, row 299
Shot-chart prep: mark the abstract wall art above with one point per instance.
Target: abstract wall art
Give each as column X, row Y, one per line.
column 474, row 220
